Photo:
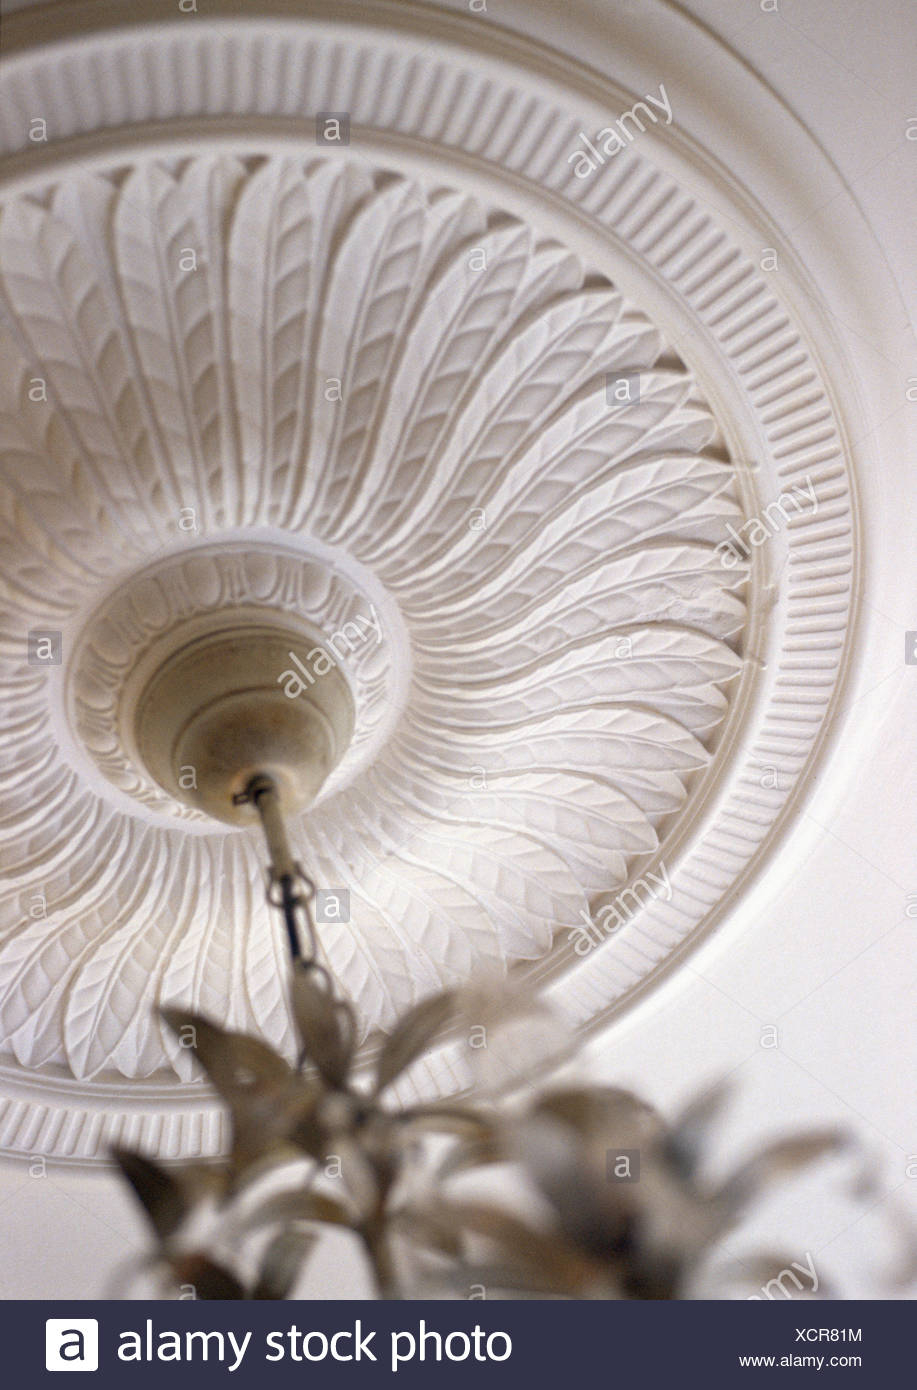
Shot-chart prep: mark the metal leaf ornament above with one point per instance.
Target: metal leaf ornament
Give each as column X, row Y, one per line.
column 593, row 1231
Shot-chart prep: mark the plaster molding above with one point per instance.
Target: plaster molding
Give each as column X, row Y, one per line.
column 731, row 416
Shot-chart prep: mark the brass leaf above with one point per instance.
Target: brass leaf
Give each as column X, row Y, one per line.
column 412, row 1036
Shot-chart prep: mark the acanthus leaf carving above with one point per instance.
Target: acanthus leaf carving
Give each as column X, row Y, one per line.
column 546, row 646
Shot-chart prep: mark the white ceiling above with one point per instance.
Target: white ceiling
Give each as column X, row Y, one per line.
column 820, row 947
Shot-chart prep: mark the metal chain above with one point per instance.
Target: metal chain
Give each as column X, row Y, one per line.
column 289, row 887
column 291, row 890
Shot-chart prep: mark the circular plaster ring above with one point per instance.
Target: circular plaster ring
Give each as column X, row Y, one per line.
column 673, row 229
column 277, row 579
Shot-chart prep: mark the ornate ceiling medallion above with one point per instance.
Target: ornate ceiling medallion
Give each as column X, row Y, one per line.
column 418, row 429
column 536, row 499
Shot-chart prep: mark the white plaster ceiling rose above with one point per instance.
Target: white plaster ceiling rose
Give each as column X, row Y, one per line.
column 379, row 394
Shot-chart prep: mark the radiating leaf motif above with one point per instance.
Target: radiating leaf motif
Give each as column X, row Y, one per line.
column 524, row 890
column 378, row 277
column 169, row 289
column 202, row 968
column 409, row 932
column 460, row 323
column 110, row 1003
column 446, row 939
column 663, row 583
column 43, row 530
column 185, row 914
column 271, row 303
column 70, row 329
column 38, row 961
column 545, row 363
column 590, row 825
column 676, row 671
column 552, row 553
column 212, row 188
column 580, row 481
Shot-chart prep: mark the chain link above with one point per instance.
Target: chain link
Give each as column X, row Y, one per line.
column 289, row 888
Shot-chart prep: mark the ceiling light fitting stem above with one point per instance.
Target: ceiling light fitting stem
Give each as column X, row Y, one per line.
column 288, row 887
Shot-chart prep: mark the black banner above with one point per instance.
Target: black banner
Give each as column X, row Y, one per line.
column 127, row 1344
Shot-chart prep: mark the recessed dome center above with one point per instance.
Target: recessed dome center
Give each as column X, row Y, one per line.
column 225, row 659
column 244, row 696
